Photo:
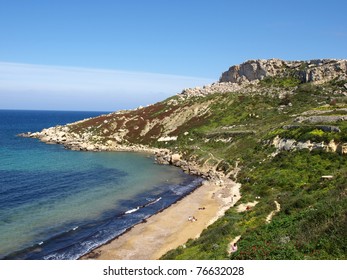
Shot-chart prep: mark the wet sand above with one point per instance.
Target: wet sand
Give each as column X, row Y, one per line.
column 171, row 228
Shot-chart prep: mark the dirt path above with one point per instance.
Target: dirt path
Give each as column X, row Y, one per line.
column 278, row 208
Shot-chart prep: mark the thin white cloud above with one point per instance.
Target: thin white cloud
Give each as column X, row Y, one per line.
column 24, row 85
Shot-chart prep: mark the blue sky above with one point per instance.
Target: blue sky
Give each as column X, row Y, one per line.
column 109, row 54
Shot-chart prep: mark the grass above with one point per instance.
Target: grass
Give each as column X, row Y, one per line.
column 311, row 224
column 285, row 82
column 312, row 133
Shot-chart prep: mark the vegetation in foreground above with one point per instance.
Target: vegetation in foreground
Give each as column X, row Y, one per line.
column 237, row 128
column 312, row 222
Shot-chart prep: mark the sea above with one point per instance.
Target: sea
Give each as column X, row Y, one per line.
column 61, row 204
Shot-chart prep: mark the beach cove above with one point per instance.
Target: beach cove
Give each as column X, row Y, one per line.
column 172, row 228
column 60, row 204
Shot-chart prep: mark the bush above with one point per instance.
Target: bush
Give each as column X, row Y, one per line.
column 284, row 82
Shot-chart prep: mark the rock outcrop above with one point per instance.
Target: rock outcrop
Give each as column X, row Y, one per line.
column 85, row 141
column 282, row 144
column 210, row 89
column 253, row 70
column 319, row 70
column 240, row 78
column 165, row 156
column 321, row 119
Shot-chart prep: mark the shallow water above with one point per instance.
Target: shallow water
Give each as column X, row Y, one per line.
column 60, row 204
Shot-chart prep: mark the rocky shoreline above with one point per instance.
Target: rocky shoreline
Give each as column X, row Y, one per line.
column 61, row 135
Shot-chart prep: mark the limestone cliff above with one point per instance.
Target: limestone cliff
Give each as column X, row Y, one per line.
column 319, row 70
column 245, row 76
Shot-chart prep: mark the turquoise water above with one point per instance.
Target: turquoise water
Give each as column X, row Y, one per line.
column 60, row 204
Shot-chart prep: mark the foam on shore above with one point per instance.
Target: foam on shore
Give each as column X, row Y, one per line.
column 171, row 228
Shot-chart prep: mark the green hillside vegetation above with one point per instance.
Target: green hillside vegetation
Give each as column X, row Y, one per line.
column 220, row 131
column 312, row 223
column 247, row 120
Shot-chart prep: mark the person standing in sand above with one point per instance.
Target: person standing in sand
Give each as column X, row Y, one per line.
column 233, row 248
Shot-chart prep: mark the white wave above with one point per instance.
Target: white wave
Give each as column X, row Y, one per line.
column 132, row 210
column 154, row 201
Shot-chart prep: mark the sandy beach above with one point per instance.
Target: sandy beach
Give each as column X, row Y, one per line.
column 171, row 228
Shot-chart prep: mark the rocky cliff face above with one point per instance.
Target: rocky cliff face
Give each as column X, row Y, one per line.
column 319, row 70
column 253, row 70
column 242, row 77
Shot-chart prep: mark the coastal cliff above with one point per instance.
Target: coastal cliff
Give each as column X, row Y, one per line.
column 318, row 70
column 275, row 126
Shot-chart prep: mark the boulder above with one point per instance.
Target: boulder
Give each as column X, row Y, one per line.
column 342, row 149
column 332, row 146
column 46, row 139
column 175, row 158
column 90, row 147
column 304, row 145
column 287, row 144
column 329, row 128
column 118, row 139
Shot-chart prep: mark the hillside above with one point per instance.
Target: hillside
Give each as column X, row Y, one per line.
column 279, row 128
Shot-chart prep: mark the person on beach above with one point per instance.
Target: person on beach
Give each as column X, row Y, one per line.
column 233, row 248
column 192, row 219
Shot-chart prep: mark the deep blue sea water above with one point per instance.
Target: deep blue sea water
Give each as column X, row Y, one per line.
column 60, row 204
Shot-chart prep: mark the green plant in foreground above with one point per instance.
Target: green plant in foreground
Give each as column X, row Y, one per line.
column 311, row 224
